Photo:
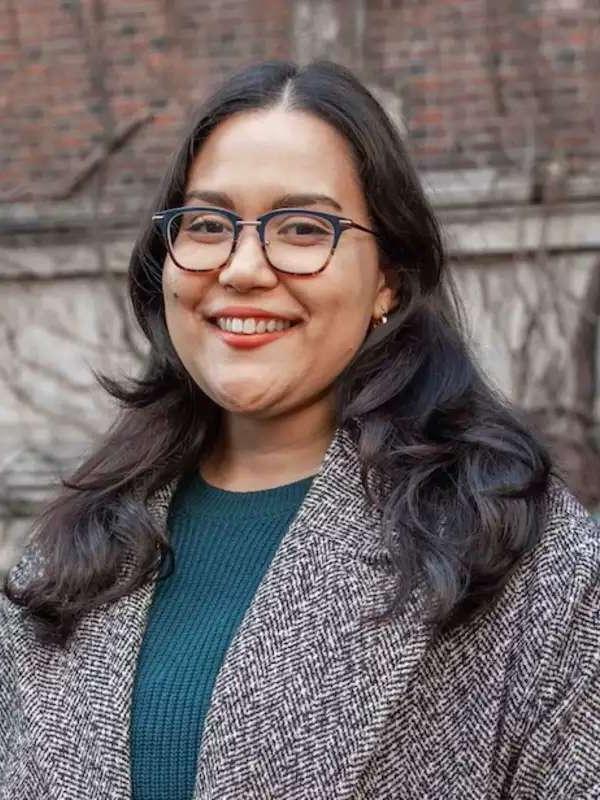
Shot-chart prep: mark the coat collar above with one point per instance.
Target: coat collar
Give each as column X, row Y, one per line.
column 306, row 685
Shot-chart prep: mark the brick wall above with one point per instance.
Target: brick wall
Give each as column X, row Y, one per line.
column 484, row 82
column 509, row 83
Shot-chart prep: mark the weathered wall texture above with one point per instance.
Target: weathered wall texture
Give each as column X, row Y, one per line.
column 498, row 102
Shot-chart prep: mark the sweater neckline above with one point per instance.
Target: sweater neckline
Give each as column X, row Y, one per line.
column 199, row 496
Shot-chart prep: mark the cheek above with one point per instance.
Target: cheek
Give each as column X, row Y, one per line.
column 344, row 305
column 182, row 293
column 336, row 332
column 350, row 329
column 181, row 297
column 171, row 283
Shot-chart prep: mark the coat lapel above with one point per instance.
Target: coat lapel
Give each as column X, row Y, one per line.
column 306, row 685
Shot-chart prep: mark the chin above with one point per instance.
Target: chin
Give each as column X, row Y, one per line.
column 245, row 402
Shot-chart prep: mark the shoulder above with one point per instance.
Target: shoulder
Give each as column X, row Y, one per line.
column 537, row 647
column 563, row 508
column 565, row 563
column 561, row 572
column 555, row 580
column 550, row 606
column 552, row 681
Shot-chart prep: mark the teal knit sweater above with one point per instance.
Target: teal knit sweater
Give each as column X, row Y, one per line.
column 223, row 543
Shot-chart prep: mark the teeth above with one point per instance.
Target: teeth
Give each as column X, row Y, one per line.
column 250, row 325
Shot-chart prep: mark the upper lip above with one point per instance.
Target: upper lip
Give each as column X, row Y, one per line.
column 250, row 311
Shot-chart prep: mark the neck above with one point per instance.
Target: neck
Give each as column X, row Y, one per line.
column 253, row 454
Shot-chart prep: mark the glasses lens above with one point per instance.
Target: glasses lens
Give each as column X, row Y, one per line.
column 200, row 240
column 299, row 243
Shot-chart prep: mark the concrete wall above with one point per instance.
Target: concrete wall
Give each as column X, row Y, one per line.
column 497, row 105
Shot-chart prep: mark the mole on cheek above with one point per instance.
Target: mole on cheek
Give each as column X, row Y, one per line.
column 175, row 296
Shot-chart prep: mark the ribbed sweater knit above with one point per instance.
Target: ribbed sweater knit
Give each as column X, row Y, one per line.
column 223, row 543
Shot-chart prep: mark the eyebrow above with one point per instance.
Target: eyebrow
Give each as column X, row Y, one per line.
column 299, row 200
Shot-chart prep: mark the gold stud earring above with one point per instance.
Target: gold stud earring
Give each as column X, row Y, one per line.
column 381, row 320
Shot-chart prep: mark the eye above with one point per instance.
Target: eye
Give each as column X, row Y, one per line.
column 303, row 231
column 207, row 228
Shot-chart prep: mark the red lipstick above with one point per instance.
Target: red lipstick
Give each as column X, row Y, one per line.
column 250, row 311
column 246, row 341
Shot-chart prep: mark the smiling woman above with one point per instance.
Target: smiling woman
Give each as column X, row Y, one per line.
column 278, row 403
column 377, row 587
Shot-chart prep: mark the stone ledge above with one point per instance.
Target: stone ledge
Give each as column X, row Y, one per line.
column 461, row 188
column 469, row 232
column 522, row 229
column 493, row 187
column 56, row 261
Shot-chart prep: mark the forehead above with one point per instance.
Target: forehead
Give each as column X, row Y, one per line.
column 269, row 151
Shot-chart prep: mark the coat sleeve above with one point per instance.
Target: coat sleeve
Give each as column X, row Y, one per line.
column 560, row 757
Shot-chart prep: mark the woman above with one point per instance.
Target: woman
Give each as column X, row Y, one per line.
column 373, row 588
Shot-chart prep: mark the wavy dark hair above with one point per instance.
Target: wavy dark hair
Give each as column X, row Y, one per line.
column 466, row 479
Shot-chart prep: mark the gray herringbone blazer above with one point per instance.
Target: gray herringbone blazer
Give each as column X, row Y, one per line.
column 310, row 704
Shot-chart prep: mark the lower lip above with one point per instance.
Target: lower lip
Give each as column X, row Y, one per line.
column 245, row 341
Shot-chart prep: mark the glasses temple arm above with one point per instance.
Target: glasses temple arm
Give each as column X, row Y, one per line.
column 350, row 224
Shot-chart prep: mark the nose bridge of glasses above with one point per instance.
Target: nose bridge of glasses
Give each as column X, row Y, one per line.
column 237, row 239
column 253, row 223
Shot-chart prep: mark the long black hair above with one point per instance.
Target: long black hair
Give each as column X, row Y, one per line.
column 455, row 457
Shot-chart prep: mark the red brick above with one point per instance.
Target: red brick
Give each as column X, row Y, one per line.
column 469, row 72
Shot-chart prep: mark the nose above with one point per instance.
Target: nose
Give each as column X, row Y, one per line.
column 247, row 267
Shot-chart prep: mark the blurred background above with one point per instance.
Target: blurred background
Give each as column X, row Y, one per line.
column 498, row 101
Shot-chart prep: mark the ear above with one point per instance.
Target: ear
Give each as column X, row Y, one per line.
column 386, row 297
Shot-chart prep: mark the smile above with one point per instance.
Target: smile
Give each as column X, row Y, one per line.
column 249, row 332
column 248, row 325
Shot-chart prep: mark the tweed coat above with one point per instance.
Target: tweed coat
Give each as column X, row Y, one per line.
column 310, row 702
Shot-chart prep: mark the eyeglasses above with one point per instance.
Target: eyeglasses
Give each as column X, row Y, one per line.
column 295, row 241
